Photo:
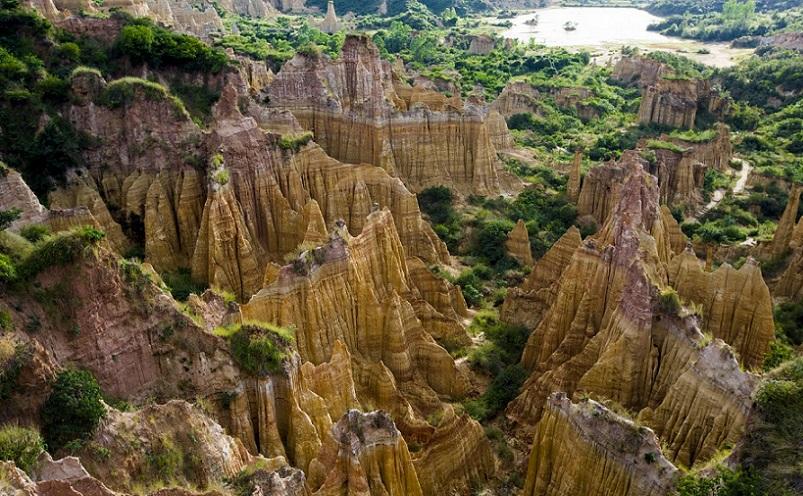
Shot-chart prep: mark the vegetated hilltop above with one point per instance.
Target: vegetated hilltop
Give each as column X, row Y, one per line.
column 415, row 260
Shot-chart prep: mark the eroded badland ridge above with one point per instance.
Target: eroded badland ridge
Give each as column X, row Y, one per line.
column 337, row 271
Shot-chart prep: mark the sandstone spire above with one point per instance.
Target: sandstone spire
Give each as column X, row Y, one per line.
column 518, row 244
column 330, row 24
column 573, row 187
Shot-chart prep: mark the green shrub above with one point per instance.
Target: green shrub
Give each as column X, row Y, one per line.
column 295, row 142
column 143, row 41
column 181, row 285
column 490, row 241
column 21, row 446
column 122, row 92
column 438, row 203
column 73, row 410
column 7, row 217
column 789, row 317
column 13, row 357
column 61, row 249
column 260, row 348
column 722, row 482
column 8, row 271
column 669, row 301
column 654, row 144
column 35, row 232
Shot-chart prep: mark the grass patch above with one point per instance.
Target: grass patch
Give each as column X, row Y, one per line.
column 20, row 445
column 295, row 142
column 258, row 348
column 122, row 92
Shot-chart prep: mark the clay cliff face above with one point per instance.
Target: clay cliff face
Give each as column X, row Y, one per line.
column 681, row 175
column 642, row 71
column 518, row 244
column 366, row 454
column 521, row 97
column 250, row 204
column 675, row 102
column 358, row 116
column 15, row 194
column 736, row 304
column 611, row 330
column 359, row 290
column 584, row 448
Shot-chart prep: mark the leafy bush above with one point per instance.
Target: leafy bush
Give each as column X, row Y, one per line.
column 21, row 446
column 669, row 301
column 295, row 142
column 181, row 284
column 143, row 41
column 73, row 410
column 8, row 271
column 789, row 318
column 61, row 249
column 490, row 241
column 438, row 203
column 260, row 348
column 13, row 356
column 122, row 92
column 35, row 232
column 722, row 482
column 7, row 217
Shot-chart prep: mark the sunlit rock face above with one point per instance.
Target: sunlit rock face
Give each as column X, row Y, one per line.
column 608, row 326
column 583, row 448
column 359, row 113
column 229, row 220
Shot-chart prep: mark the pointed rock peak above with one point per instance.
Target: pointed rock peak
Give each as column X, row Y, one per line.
column 518, row 244
column 362, row 430
column 573, row 186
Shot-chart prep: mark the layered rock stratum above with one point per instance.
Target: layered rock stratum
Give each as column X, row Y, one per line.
column 360, row 112
column 610, row 324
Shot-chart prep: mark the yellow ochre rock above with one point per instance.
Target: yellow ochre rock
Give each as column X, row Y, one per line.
column 583, row 448
column 518, row 244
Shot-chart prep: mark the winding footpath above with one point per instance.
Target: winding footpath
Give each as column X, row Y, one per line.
column 719, row 194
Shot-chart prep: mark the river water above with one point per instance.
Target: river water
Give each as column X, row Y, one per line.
column 605, row 29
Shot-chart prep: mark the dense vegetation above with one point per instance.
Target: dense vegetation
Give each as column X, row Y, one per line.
column 734, row 19
column 258, row 348
column 20, row 445
column 73, row 409
column 37, row 62
column 498, row 358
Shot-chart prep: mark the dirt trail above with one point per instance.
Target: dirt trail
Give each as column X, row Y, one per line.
column 716, row 198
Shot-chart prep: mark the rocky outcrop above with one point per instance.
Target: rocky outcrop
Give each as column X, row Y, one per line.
column 457, row 455
column 518, row 244
column 358, row 290
column 788, row 235
column 174, row 442
column 675, row 102
column 640, row 70
column 14, row 481
column 330, row 23
column 602, row 188
column 526, row 304
column 357, row 116
column 614, row 329
column 481, row 45
column 15, row 194
column 681, row 168
column 583, row 448
column 521, row 98
column 366, row 454
column 575, row 178
column 736, row 304
column 257, row 203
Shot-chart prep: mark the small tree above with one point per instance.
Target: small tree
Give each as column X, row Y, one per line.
column 73, row 410
column 7, row 217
